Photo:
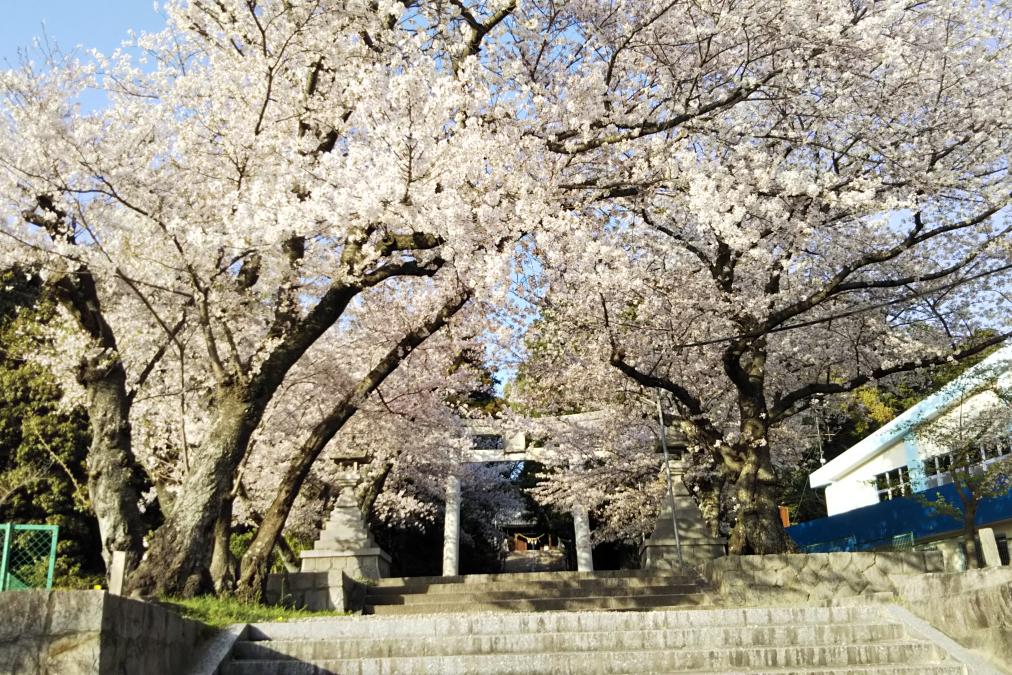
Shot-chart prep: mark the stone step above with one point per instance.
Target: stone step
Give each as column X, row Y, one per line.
column 544, row 585
column 514, row 623
column 532, row 576
column 551, row 643
column 647, row 661
column 549, row 604
column 464, row 597
column 296, row 668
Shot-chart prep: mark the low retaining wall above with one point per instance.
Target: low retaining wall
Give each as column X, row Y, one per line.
column 88, row 632
column 973, row 607
column 315, row 591
column 793, row 578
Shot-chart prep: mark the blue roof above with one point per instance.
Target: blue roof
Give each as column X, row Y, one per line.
column 923, row 411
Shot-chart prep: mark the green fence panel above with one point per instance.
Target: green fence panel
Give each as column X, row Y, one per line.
column 6, row 529
column 29, row 556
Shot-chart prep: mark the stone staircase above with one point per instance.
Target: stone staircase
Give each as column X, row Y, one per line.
column 860, row 639
column 535, row 592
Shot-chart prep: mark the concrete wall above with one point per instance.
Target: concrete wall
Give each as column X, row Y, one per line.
column 87, row 632
column 974, row 608
column 857, row 488
column 316, row 591
column 792, row 578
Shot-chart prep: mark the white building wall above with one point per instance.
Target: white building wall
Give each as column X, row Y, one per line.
column 857, row 488
column 931, row 443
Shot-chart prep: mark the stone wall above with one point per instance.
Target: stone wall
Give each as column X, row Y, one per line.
column 813, row 577
column 87, row 632
column 317, row 591
column 974, row 608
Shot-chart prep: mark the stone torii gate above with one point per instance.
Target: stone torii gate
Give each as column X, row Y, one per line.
column 664, row 549
column 493, row 446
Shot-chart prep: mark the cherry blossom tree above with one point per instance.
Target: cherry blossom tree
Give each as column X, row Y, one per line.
column 271, row 164
column 744, row 204
column 773, row 204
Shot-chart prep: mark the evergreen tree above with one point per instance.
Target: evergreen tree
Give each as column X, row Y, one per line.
column 42, row 446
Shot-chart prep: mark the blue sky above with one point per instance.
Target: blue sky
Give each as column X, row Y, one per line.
column 98, row 24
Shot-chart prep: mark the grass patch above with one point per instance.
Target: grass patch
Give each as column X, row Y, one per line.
column 220, row 612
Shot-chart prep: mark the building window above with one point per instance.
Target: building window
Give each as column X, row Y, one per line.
column 893, row 484
column 992, row 451
column 937, row 466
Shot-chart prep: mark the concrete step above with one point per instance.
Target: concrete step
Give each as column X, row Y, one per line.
column 534, row 585
column 549, row 604
column 527, row 577
column 520, row 593
column 645, row 661
column 552, row 643
column 296, row 668
column 514, row 623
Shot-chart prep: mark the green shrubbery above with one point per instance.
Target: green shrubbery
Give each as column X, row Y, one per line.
column 223, row 611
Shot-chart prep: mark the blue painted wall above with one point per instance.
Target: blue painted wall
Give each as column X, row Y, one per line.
column 874, row 526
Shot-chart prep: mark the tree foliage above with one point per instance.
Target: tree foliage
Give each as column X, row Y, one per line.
column 43, row 446
column 761, row 210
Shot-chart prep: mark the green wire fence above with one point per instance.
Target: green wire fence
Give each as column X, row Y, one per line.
column 28, row 557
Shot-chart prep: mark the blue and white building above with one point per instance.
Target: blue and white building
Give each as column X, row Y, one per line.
column 865, row 486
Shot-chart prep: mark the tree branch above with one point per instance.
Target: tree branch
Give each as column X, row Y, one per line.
column 782, row 406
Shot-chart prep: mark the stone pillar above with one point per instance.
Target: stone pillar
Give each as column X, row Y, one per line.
column 451, row 528
column 345, row 542
column 581, row 528
column 989, row 547
column 117, row 572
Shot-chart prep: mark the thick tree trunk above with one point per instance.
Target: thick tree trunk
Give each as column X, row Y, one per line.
column 223, row 563
column 254, row 566
column 114, row 478
column 758, row 528
column 177, row 562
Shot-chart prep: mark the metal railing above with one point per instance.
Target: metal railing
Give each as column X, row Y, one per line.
column 899, row 542
column 28, row 557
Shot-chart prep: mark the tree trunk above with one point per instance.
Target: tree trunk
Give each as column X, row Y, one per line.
column 287, row 555
column 177, row 563
column 758, row 528
column 114, row 478
column 375, row 487
column 254, row 566
column 223, row 563
column 970, row 536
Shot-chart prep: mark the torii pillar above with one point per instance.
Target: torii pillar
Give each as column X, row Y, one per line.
column 581, row 530
column 451, row 528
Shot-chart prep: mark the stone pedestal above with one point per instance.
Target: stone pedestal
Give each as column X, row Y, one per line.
column 698, row 545
column 345, row 543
